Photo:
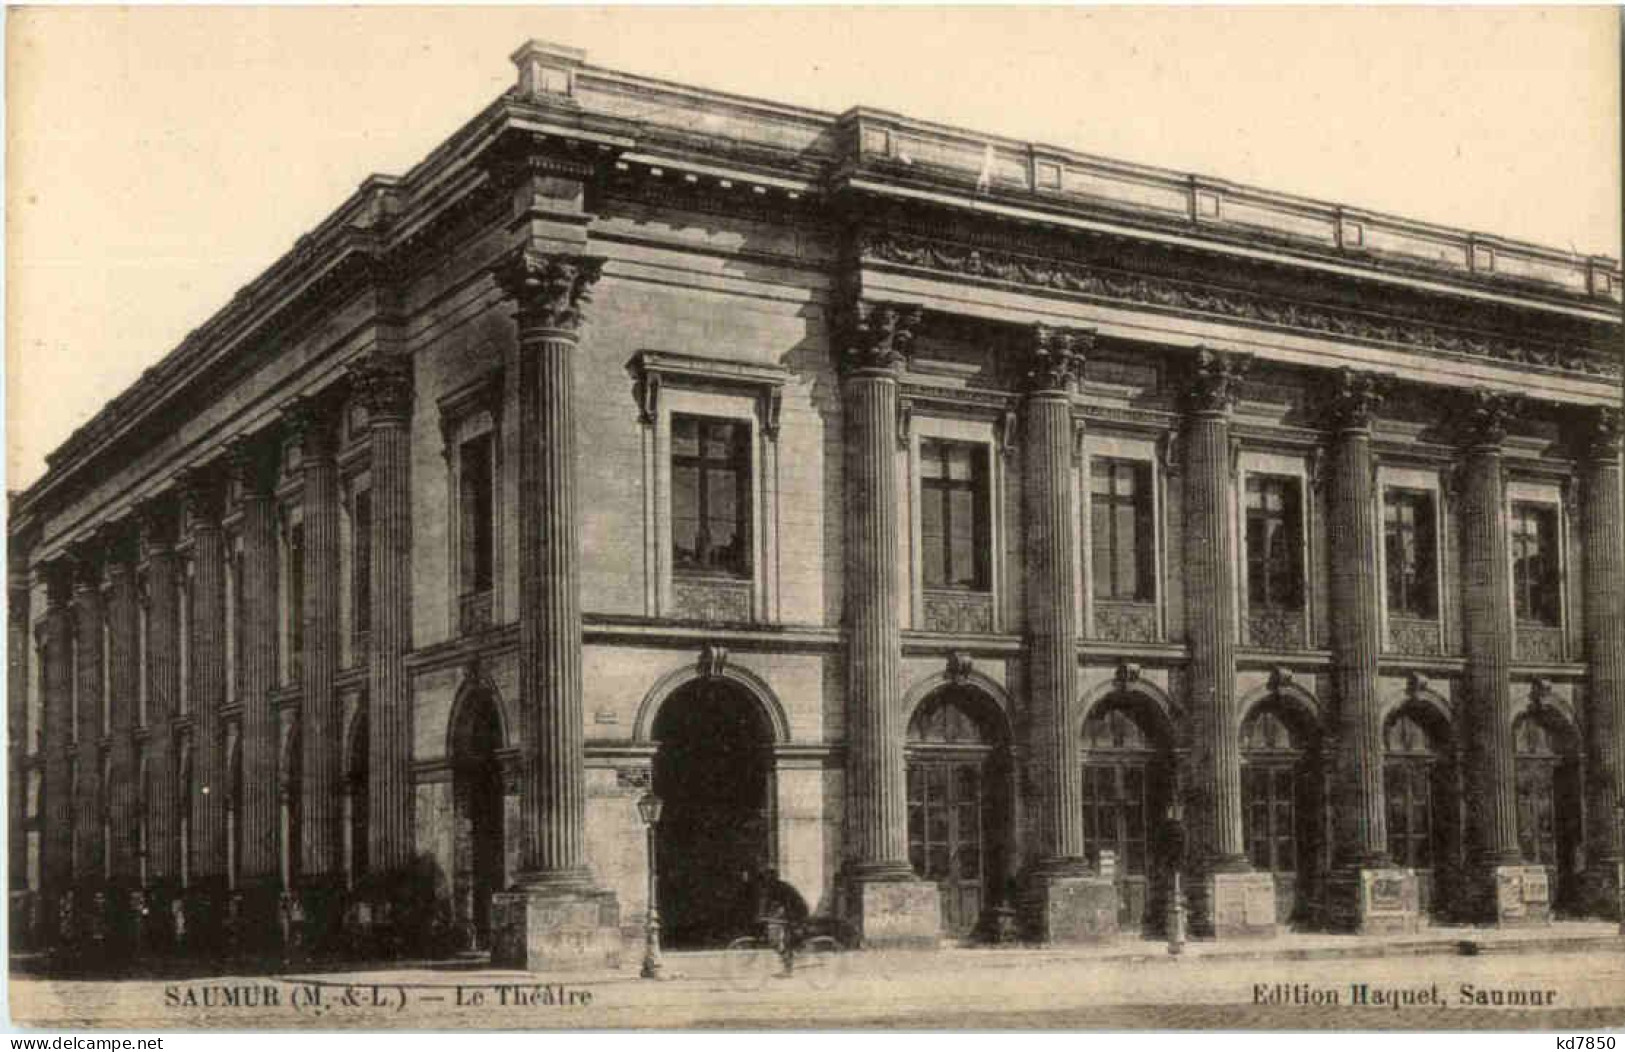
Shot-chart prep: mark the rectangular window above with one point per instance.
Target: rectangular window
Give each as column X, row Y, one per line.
column 1274, row 543
column 954, row 515
column 1410, row 553
column 361, row 563
column 710, row 495
column 476, row 473
column 1536, row 589
column 1121, row 538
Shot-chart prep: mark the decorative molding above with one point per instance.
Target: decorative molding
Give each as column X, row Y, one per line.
column 1276, row 629
column 1603, row 433
column 654, row 371
column 697, row 600
column 960, row 667
column 483, row 394
column 550, row 289
column 1342, row 323
column 1538, row 644
column 713, row 661
column 1420, row 637
column 1126, row 674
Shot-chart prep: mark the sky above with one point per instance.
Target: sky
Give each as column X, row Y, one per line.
column 158, row 159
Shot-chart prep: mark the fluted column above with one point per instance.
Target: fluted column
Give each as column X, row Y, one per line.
column 1356, row 627
column 383, row 380
column 124, row 668
column 1210, row 610
column 202, row 490
column 550, row 291
column 56, row 647
column 311, row 423
column 875, row 345
column 88, row 853
column 157, row 522
column 1052, row 619
column 1602, row 519
column 1492, row 817
column 253, row 462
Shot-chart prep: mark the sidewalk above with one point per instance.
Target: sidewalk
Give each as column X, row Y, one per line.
column 1435, row 941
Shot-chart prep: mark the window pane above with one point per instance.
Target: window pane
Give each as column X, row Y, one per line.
column 1126, row 556
column 685, row 436
column 959, row 462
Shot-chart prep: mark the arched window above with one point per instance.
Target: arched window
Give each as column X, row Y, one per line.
column 1270, row 790
column 1119, row 804
column 1547, row 790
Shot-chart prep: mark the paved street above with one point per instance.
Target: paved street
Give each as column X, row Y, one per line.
column 953, row 988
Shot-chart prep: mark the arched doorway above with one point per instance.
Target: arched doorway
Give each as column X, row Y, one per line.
column 958, row 803
column 711, row 769
column 355, row 799
column 1282, row 799
column 1549, row 800
column 1127, row 771
column 1417, row 784
column 478, row 806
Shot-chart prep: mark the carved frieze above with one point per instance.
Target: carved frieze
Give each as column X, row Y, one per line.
column 1126, row 622
column 711, row 600
column 958, row 613
column 1408, row 635
column 1538, row 644
column 1275, row 629
column 1089, row 280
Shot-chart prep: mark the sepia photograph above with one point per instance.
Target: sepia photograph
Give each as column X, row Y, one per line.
column 814, row 518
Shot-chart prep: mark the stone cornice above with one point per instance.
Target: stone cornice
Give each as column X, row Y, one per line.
column 1088, row 280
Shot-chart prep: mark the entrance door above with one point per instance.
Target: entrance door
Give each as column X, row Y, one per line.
column 1124, row 800
column 711, row 771
column 1549, row 805
column 478, row 805
column 956, row 805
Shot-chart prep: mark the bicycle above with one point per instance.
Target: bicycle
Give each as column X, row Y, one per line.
column 814, row 949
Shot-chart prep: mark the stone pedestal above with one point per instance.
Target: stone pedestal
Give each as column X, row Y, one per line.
column 1065, row 908
column 1233, row 905
column 895, row 913
column 1375, row 901
column 1518, row 895
column 549, row 931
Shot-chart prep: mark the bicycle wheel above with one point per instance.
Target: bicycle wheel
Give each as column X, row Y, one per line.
column 820, row 960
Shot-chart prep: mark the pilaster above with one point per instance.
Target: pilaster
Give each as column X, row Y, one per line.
column 89, row 854
column 202, row 495
column 156, row 519
column 56, row 645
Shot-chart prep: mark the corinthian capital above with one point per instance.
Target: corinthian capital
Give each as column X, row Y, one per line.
column 1058, row 357
column 252, row 464
column 1354, row 400
column 383, row 381
column 1214, row 382
column 876, row 335
column 550, row 289
column 1486, row 416
column 203, row 493
column 1603, row 433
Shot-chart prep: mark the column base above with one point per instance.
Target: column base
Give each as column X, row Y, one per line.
column 1231, row 905
column 1068, row 907
column 555, row 929
column 1378, row 900
column 894, row 912
column 321, row 900
column 1511, row 896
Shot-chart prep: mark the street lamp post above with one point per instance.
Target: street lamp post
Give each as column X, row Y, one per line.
column 649, row 806
column 1176, row 896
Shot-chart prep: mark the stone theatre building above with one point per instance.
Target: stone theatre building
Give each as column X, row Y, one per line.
column 967, row 528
